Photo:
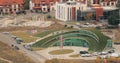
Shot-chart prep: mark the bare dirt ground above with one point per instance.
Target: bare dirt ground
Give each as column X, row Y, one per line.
column 117, row 36
column 11, row 55
column 54, row 26
column 70, row 61
column 113, row 33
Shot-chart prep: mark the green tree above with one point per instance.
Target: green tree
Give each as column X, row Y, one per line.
column 118, row 5
column 112, row 20
column 88, row 16
column 26, row 4
column 49, row 16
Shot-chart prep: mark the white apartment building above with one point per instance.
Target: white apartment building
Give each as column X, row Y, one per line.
column 67, row 11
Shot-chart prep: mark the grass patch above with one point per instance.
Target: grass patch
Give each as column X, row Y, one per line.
column 37, row 48
column 75, row 55
column 24, row 35
column 102, row 38
column 94, row 45
column 62, row 51
column 42, row 34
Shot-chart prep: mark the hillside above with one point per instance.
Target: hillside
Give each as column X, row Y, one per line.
column 8, row 53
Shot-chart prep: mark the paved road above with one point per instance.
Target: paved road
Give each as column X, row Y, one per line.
column 33, row 55
column 6, row 60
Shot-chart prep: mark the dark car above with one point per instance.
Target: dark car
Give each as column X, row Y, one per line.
column 19, row 40
column 14, row 37
column 17, row 48
column 83, row 52
column 27, row 47
column 111, row 51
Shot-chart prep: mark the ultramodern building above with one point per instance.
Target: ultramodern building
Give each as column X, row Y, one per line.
column 42, row 5
column 11, row 6
column 71, row 10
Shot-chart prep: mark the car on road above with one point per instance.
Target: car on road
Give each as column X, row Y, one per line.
column 103, row 53
column 83, row 52
column 14, row 37
column 111, row 51
column 6, row 33
column 16, row 47
column 86, row 55
column 27, row 47
column 19, row 40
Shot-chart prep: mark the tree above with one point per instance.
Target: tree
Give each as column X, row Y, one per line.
column 88, row 16
column 49, row 16
column 112, row 20
column 118, row 5
column 26, row 4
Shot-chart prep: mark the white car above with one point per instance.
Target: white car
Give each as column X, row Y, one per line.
column 6, row 32
column 103, row 53
column 115, row 55
column 86, row 55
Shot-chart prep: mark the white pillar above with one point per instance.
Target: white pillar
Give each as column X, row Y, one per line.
column 61, row 0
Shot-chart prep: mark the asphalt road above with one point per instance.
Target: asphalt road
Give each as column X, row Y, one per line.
column 37, row 58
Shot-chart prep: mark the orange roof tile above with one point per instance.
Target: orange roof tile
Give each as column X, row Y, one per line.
column 46, row 1
column 9, row 2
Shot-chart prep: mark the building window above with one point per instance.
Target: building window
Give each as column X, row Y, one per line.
column 51, row 4
column 14, row 9
column 44, row 9
column 108, row 4
column 43, row 4
column 103, row 4
column 35, row 4
column 38, row 4
column 79, row 8
column 52, row 8
column 10, row 10
column 112, row 3
column 6, row 10
column 1, row 10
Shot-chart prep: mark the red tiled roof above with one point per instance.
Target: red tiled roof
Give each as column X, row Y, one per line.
column 46, row 1
column 9, row 2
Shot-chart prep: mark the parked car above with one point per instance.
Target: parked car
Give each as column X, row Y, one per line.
column 14, row 37
column 111, row 51
column 86, row 55
column 6, row 33
column 16, row 47
column 19, row 40
column 115, row 55
column 83, row 52
column 103, row 53
column 28, row 47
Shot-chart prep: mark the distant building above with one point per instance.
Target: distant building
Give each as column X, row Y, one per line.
column 71, row 10
column 11, row 6
column 42, row 5
column 67, row 11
